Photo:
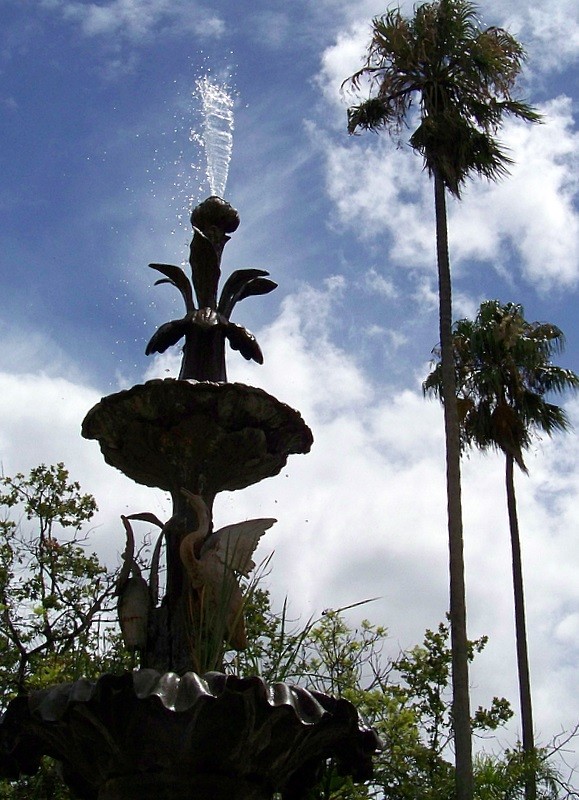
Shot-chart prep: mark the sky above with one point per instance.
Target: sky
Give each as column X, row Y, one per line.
column 99, row 167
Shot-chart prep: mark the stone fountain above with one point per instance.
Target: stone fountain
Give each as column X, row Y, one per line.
column 179, row 728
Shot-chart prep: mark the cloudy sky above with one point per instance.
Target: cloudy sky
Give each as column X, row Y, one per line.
column 98, row 169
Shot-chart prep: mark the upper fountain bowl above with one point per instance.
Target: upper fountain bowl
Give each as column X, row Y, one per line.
column 174, row 433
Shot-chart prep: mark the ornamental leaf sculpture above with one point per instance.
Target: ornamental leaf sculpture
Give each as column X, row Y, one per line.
column 206, row 324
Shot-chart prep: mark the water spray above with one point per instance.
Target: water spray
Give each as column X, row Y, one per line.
column 217, row 131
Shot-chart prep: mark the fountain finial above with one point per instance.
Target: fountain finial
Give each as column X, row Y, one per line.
column 214, row 212
column 206, row 323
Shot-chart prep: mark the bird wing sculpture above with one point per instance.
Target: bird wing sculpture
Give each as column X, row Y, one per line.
column 213, row 563
column 235, row 544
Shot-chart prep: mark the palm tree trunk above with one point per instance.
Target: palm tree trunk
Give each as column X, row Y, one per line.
column 459, row 643
column 521, row 632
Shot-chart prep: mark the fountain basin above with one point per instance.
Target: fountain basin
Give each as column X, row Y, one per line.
column 172, row 433
column 152, row 735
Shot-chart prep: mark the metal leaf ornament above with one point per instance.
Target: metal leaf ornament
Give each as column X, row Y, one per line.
column 206, row 324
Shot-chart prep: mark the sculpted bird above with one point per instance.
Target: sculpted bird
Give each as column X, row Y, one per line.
column 136, row 597
column 213, row 562
column 133, row 594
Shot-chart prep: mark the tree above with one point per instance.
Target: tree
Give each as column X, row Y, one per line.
column 405, row 699
column 462, row 79
column 53, row 600
column 52, row 593
column 504, row 372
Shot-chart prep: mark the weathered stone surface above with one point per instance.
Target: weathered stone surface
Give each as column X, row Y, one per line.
column 175, row 433
column 179, row 735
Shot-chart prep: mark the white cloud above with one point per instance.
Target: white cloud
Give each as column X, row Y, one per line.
column 464, row 306
column 341, row 60
column 377, row 189
column 551, row 35
column 136, row 20
column 533, row 211
column 378, row 284
column 426, row 296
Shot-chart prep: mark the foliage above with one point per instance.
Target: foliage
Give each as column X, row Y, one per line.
column 52, row 593
column 407, row 700
column 276, row 645
column 53, row 599
column 504, row 371
column 507, row 777
column 461, row 77
column 46, row 784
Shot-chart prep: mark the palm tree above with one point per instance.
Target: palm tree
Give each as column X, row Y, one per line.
column 461, row 79
column 503, row 372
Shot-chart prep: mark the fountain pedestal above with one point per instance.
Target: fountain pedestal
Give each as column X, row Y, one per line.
column 205, row 438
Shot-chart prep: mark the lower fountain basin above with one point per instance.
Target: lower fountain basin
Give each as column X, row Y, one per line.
column 152, row 735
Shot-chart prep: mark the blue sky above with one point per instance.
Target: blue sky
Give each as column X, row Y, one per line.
column 97, row 172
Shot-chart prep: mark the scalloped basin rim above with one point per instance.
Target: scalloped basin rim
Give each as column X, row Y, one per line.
column 180, row 693
column 124, row 727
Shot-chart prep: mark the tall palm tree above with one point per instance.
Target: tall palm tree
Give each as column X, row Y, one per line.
column 503, row 372
column 461, row 79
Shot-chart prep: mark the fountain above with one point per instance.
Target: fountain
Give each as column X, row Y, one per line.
column 178, row 727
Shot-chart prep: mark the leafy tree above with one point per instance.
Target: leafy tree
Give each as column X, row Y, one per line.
column 53, row 599
column 461, row 79
column 504, row 372
column 52, row 593
column 407, row 700
column 508, row 776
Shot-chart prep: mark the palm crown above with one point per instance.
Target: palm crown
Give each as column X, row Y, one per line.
column 503, row 372
column 462, row 78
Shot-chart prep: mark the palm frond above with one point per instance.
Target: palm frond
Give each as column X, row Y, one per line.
column 446, row 145
column 503, row 373
column 371, row 115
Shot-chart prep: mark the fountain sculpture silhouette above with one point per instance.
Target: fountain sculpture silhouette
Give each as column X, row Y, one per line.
column 177, row 729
